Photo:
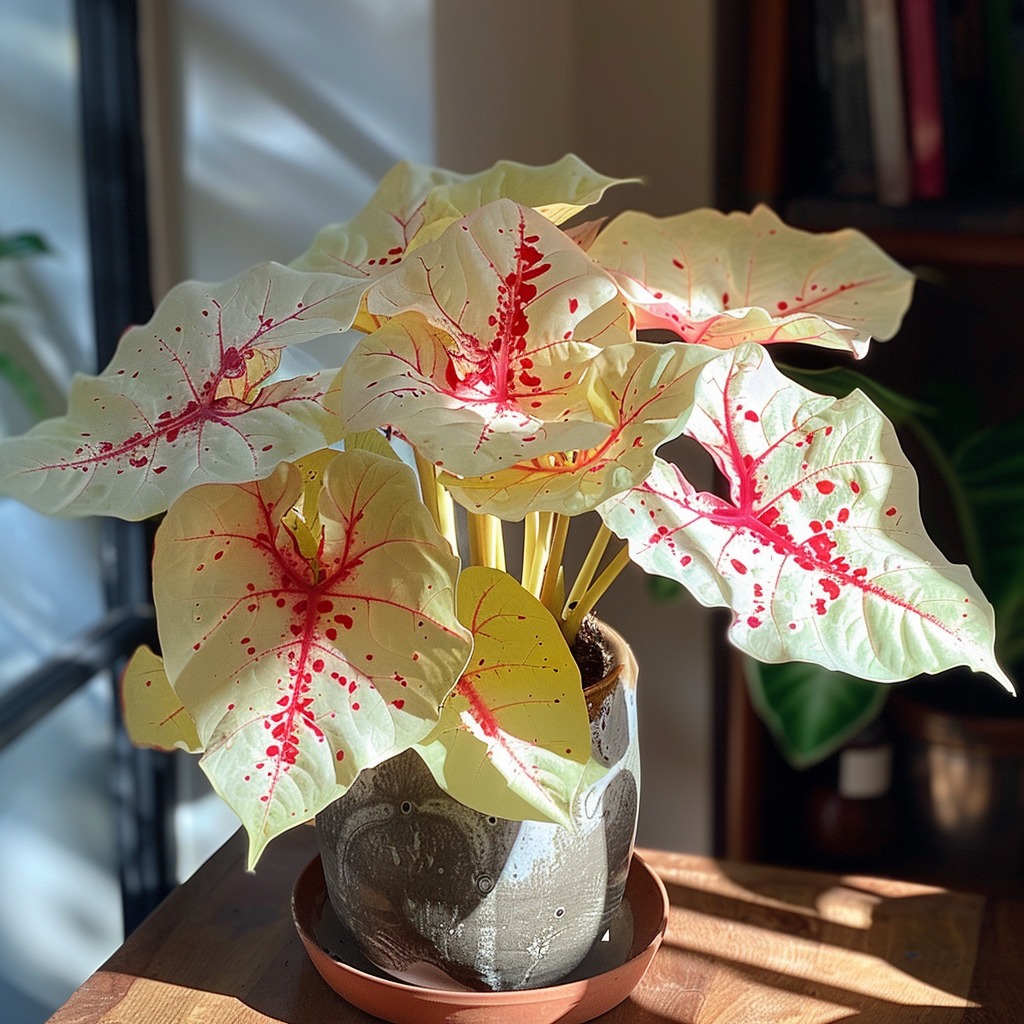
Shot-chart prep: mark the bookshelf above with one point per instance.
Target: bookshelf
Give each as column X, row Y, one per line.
column 804, row 143
column 826, row 153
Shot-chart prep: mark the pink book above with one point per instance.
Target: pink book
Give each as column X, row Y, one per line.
column 924, row 97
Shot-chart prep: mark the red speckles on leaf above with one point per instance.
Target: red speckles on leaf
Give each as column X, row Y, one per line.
column 738, row 566
column 822, row 545
column 751, row 416
column 890, row 511
column 825, row 486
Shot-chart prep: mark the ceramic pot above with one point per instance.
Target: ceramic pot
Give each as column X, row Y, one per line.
column 428, row 886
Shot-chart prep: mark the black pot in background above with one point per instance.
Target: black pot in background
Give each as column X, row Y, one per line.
column 960, row 781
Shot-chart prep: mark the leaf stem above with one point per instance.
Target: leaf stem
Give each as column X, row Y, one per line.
column 428, row 486
column 446, row 518
column 585, row 605
column 589, row 568
column 535, row 550
column 553, row 564
column 496, row 542
column 486, row 543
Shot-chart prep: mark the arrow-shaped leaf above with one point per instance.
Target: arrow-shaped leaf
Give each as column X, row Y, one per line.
column 299, row 670
column 724, row 279
column 181, row 402
column 820, row 552
column 484, row 366
column 557, row 191
column 514, row 735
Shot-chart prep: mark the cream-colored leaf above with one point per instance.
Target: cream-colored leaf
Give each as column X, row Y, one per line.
column 166, row 413
column 299, row 671
column 644, row 392
column 153, row 714
column 725, row 279
column 820, row 550
column 557, row 191
column 491, row 330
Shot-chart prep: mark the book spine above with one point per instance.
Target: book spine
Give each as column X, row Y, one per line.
column 924, row 97
column 842, row 81
column 886, row 102
column 766, row 100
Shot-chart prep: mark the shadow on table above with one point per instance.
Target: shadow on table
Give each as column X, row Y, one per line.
column 814, row 945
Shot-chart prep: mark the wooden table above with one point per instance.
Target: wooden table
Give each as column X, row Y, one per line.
column 745, row 945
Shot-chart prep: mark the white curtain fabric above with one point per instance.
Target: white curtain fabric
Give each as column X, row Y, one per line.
column 286, row 116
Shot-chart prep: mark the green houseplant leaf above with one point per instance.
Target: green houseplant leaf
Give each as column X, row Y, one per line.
column 725, row 279
column 302, row 664
column 811, row 711
column 820, row 551
column 183, row 402
column 514, row 737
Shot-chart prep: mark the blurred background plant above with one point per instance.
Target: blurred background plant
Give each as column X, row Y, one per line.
column 32, row 372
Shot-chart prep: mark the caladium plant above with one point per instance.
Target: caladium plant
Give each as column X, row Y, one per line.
column 330, row 573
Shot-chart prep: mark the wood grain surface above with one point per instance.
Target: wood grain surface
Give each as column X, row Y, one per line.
column 745, row 945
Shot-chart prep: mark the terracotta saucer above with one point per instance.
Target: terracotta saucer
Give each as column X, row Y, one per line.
column 610, row 972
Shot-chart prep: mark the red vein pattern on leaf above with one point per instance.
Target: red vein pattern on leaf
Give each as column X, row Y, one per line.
column 490, row 727
column 200, row 404
column 480, row 710
column 610, row 450
column 310, row 593
column 370, row 266
column 678, row 314
column 497, row 369
column 762, row 520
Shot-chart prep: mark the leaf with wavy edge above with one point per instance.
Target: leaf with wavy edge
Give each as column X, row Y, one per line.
column 557, row 192
column 514, row 736
column 724, row 279
column 183, row 402
column 483, row 366
column 153, row 714
column 300, row 671
column 820, row 551
column 644, row 391
column 414, row 204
